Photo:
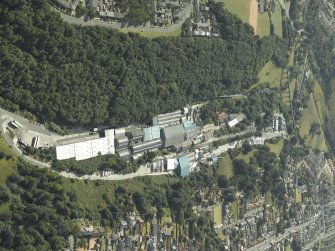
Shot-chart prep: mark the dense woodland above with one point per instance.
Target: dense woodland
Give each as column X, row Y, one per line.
column 91, row 75
column 36, row 212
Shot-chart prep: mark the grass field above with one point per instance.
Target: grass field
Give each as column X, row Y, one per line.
column 6, row 166
column 240, row 8
column 152, row 34
column 226, row 167
column 263, row 25
column 276, row 148
column 277, row 20
column 309, row 117
column 217, row 215
column 271, row 74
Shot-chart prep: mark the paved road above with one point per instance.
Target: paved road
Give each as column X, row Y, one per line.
column 142, row 171
column 184, row 14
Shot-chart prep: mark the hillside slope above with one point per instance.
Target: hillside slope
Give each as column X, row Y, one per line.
column 76, row 75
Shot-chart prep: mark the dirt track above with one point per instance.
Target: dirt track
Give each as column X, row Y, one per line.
column 253, row 14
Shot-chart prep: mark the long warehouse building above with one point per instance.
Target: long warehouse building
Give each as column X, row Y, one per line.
column 87, row 149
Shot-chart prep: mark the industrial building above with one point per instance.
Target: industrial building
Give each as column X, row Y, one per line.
column 173, row 135
column 170, row 130
column 235, row 119
column 151, row 133
column 87, row 147
column 184, row 166
column 146, row 146
column 168, row 119
column 134, row 134
column 191, row 130
column 171, row 164
column 124, row 154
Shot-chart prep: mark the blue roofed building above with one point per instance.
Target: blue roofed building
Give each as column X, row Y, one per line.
column 184, row 166
column 151, row 133
column 189, row 125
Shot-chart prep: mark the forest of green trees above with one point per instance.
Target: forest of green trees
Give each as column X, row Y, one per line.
column 76, row 75
column 36, row 211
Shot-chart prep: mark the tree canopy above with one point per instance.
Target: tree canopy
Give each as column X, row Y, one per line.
column 75, row 75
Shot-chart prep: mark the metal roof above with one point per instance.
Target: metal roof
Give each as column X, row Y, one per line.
column 151, row 133
column 173, row 135
column 85, row 150
column 184, row 165
column 65, row 152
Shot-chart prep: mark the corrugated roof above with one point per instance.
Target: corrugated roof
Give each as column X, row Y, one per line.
column 184, row 165
column 151, row 133
column 173, row 135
